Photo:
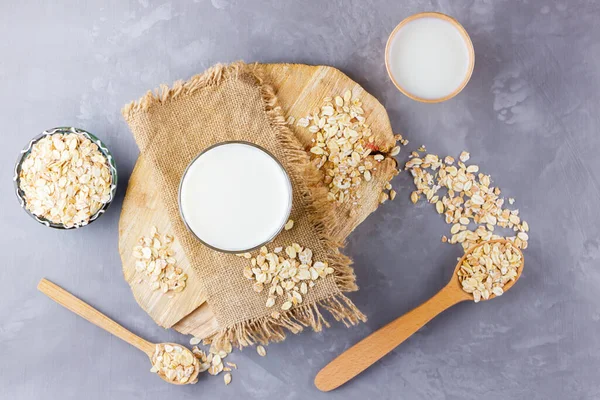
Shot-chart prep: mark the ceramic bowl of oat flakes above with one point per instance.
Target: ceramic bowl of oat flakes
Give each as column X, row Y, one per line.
column 65, row 178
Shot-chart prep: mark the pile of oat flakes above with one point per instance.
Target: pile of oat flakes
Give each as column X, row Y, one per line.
column 469, row 198
column 290, row 273
column 176, row 363
column 65, row 179
column 488, row 267
column 154, row 258
column 341, row 147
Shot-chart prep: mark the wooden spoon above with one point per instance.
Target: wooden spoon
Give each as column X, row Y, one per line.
column 86, row 311
column 366, row 352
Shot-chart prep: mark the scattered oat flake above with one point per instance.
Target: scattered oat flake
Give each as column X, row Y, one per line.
column 511, row 201
column 289, row 225
column 383, row 197
column 303, row 122
column 195, row 341
column 439, row 207
column 227, row 378
column 215, row 369
column 464, row 156
column 414, row 197
column 261, row 351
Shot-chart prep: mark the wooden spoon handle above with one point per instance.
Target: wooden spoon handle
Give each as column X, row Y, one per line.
column 366, row 352
column 86, row 311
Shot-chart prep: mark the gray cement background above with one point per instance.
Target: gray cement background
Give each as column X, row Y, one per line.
column 529, row 117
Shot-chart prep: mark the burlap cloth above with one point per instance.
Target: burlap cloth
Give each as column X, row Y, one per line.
column 173, row 125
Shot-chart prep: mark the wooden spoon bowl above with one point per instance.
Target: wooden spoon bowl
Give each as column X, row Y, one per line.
column 372, row 348
column 94, row 316
column 193, row 378
column 506, row 287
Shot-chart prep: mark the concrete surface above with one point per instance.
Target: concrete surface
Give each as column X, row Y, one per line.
column 529, row 117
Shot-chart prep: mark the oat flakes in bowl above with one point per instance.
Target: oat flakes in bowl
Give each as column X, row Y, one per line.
column 65, row 178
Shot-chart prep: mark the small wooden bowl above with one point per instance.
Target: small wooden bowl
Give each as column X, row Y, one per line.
column 464, row 35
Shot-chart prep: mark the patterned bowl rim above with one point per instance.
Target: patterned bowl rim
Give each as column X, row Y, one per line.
column 103, row 149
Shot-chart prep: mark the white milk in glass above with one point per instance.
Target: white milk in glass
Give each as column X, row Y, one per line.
column 429, row 58
column 235, row 197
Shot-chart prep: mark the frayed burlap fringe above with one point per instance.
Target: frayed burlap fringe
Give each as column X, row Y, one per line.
column 268, row 329
column 212, row 76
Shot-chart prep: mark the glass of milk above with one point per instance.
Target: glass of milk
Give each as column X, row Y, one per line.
column 429, row 57
column 235, row 197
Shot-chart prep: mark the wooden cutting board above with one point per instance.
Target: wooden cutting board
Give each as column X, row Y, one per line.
column 300, row 88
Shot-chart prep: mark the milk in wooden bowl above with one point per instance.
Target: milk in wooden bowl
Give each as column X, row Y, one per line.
column 235, row 197
column 430, row 57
